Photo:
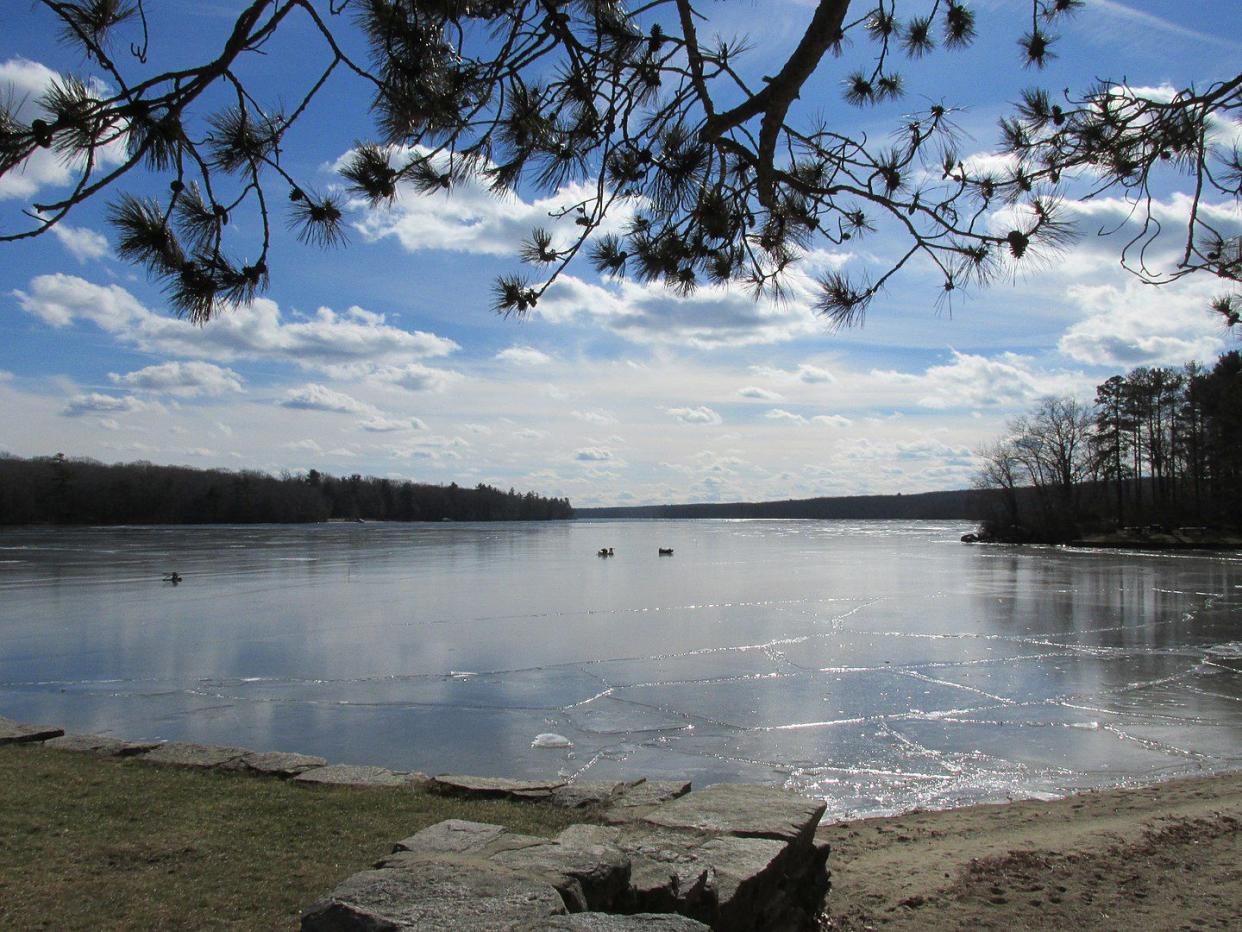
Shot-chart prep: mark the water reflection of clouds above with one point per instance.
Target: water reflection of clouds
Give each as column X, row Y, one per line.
column 882, row 665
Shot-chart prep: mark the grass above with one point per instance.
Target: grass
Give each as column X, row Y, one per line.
column 99, row 844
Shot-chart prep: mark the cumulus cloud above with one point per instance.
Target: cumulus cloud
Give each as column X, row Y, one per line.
column 762, row 394
column 255, row 331
column 386, row 425
column 182, row 378
column 818, row 420
column 415, row 377
column 594, row 417
column 810, row 375
column 712, row 317
column 97, row 403
column 1136, row 325
column 316, row 397
column 593, row 455
column 699, row 415
column 972, row 381
column 82, row 244
column 22, row 82
column 524, row 356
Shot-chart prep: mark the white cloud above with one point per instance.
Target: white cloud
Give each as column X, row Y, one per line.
column 254, row 331
column 524, row 356
column 83, row 244
column 818, row 420
column 811, row 375
column 594, row 417
column 831, row 420
column 415, row 377
column 699, row 415
column 385, row 425
column 96, row 403
column 762, row 394
column 710, row 318
column 972, row 381
column 1135, row 325
column 22, row 82
column 593, row 455
column 316, row 397
column 780, row 414
column 182, row 378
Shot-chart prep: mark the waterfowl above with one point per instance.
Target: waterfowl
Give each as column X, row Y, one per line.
column 173, row 578
column 666, row 551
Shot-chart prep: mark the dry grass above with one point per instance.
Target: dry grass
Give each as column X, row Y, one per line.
column 98, row 844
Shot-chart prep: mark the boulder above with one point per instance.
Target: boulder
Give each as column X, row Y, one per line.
column 12, row 732
column 103, row 745
column 353, row 775
column 744, row 810
column 197, row 756
column 636, row 799
column 452, row 836
column 586, row 793
column 493, row 787
column 435, row 895
column 283, row 764
column 587, row 872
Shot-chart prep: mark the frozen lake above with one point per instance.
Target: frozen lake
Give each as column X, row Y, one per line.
column 881, row 665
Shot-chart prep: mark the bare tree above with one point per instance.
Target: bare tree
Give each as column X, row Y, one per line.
column 635, row 104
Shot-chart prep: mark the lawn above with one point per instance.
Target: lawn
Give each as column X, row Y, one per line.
column 95, row 843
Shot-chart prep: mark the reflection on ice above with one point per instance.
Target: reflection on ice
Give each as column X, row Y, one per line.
column 880, row 665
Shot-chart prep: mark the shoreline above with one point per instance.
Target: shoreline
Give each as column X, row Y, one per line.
column 1161, row 854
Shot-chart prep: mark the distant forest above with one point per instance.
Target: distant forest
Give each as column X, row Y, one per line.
column 966, row 504
column 62, row 490
column 1159, row 447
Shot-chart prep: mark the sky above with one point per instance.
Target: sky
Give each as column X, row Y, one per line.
column 385, row 357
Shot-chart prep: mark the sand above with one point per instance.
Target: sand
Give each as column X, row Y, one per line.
column 1167, row 856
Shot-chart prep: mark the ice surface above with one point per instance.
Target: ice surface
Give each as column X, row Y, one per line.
column 881, row 665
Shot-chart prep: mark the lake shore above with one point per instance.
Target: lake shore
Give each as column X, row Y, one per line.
column 1166, row 856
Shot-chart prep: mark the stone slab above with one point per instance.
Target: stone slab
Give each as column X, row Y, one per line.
column 492, row 787
column 283, row 764
column 586, row 793
column 103, row 745
column 588, row 877
column 12, row 732
column 610, row 922
column 744, row 810
column 452, row 836
column 354, row 775
column 197, row 756
column 637, row 799
column 435, row 895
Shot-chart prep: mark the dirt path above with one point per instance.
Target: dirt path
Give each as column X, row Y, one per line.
column 1161, row 857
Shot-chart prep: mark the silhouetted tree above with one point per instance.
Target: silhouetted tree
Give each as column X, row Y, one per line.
column 638, row 106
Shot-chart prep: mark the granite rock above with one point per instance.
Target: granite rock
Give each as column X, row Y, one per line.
column 283, row 764
column 435, row 895
column 12, row 732
column 197, row 756
column 353, row 775
column 744, row 810
column 103, row 745
column 493, row 787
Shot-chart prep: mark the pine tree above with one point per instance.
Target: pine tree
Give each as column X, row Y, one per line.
column 637, row 106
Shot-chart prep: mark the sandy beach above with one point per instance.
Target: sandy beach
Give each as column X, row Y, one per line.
column 1167, row 856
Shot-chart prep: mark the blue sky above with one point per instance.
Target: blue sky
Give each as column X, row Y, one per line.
column 385, row 358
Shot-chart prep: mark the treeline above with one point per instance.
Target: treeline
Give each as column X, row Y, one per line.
column 61, row 490
column 966, row 504
column 1159, row 446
